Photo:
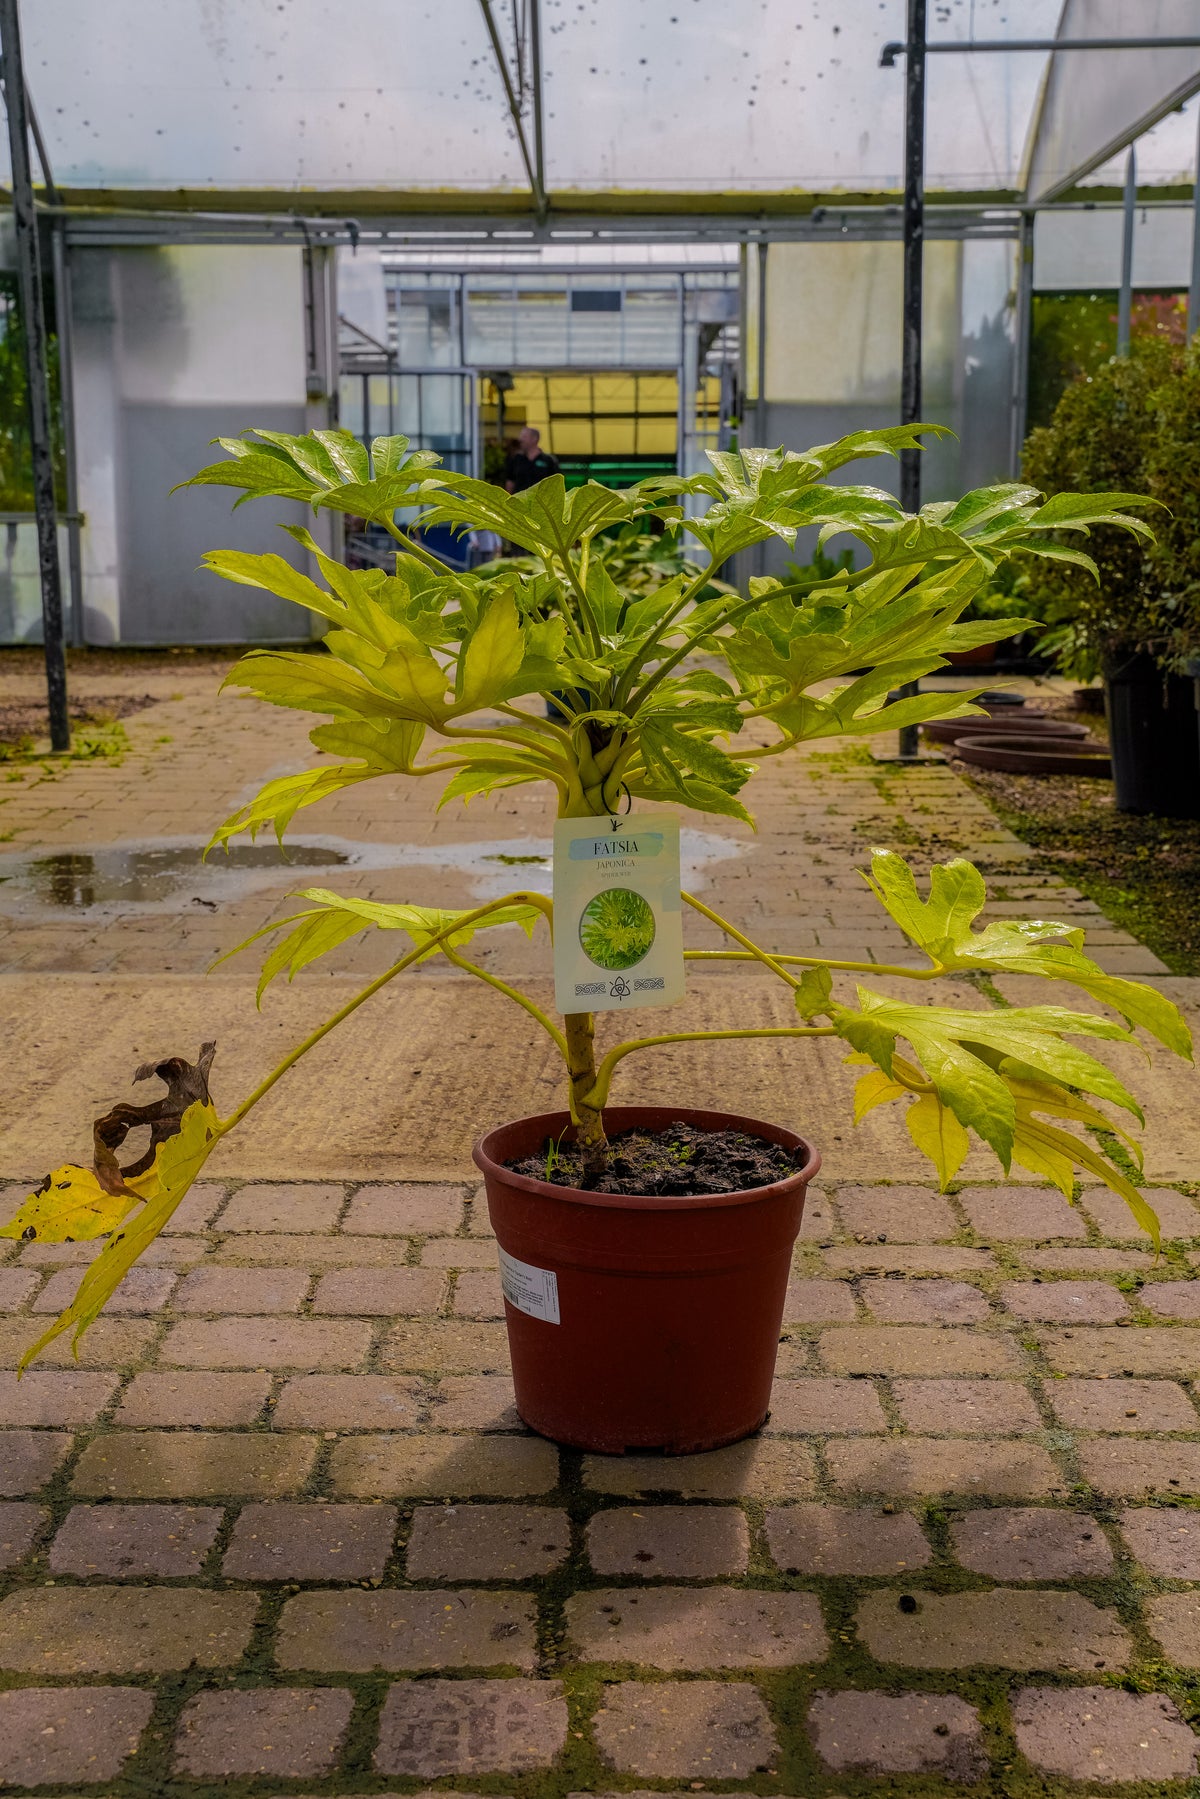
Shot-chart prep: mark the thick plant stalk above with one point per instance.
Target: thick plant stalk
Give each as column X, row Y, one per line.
column 581, row 1066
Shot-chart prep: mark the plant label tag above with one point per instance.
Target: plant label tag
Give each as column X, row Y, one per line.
column 618, row 917
column 529, row 1289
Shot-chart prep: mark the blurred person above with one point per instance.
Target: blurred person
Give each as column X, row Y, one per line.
column 530, row 464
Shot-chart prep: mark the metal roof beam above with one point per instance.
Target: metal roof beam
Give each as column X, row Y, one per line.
column 532, row 159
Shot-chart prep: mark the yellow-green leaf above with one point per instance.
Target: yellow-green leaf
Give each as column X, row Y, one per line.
column 71, row 1206
column 937, row 1134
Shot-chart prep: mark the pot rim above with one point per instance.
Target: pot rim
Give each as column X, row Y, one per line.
column 627, row 1117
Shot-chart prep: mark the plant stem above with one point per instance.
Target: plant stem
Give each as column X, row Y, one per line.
column 740, row 955
column 512, row 993
column 599, row 1094
column 415, row 954
column 759, row 955
column 588, row 1111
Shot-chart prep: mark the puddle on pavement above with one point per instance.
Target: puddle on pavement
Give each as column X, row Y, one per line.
column 169, row 875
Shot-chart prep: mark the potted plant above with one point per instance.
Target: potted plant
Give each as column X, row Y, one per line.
column 645, row 1251
column 1133, row 423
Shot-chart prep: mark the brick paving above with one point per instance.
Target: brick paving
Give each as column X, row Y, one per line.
column 280, row 1529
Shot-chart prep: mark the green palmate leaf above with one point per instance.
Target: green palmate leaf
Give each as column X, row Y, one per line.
column 177, row 1163
column 322, row 468
column 383, row 750
column 334, row 918
column 937, row 1133
column 943, row 926
column 958, row 1051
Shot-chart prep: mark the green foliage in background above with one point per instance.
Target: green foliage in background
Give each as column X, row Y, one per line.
column 16, row 465
column 670, row 686
column 1132, row 424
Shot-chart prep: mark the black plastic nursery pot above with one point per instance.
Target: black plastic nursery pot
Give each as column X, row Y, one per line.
column 642, row 1323
column 1154, row 732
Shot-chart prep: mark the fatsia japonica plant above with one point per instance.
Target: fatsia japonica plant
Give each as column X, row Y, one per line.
column 668, row 687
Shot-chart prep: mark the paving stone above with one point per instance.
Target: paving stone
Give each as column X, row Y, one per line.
column 286, row 1734
column 793, row 1357
column 693, row 1628
column 446, row 1346
column 193, row 1464
column 475, row 1402
column 477, row 1294
column 405, row 1209
column 1100, row 1734
column 918, row 1349
column 819, row 1302
column 1013, row 1213
column 838, row 1539
column 350, row 1402
column 276, row 1250
column 19, row 1527
column 1164, row 1539
column 815, row 1405
column 131, row 1542
column 1086, row 1260
column 1064, row 1302
column 1174, row 1619
column 479, row 1221
column 1136, row 1350
column 355, row 1632
column 311, row 1542
column 486, row 1542
column 459, row 1252
column 194, row 1400
column 318, row 1343
column 298, row 1206
column 16, row 1284
column 1177, row 1215
column 1172, row 1299
column 197, row 1210
column 966, row 1407
column 243, row 1290
column 909, row 1733
column 444, row 1466
column 1008, row 1627
column 28, row 1458
column 1031, row 1543
column 901, row 1214
column 379, row 1292
column 918, row 1467
column 63, row 1631
column 818, row 1220
column 1136, row 1470
column 51, row 1396
column 108, row 1342
column 142, row 1291
column 432, row 1728
column 759, row 1468
column 698, row 1729
column 1122, row 1405
column 52, row 1734
column 670, row 1541
column 884, row 1258
column 925, row 1302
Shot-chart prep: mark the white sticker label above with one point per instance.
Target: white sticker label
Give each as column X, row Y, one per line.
column 618, row 918
column 529, row 1289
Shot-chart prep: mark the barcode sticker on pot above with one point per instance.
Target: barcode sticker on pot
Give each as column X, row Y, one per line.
column 529, row 1289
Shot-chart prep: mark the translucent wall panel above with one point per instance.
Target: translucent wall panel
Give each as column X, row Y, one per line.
column 1098, row 99
column 665, row 95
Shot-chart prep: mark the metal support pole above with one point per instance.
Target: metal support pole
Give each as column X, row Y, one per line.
column 66, row 383
column 914, row 270
column 29, row 276
column 760, row 377
column 1193, row 311
column 1125, row 300
column 1022, row 326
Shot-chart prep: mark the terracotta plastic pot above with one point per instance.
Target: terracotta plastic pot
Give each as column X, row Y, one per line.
column 642, row 1323
column 1042, row 754
column 1022, row 721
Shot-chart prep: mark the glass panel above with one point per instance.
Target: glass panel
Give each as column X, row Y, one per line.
column 350, row 405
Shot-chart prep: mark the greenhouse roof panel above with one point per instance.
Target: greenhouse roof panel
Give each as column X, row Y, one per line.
column 195, row 98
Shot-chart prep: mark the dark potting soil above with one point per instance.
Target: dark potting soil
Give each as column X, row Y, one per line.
column 673, row 1164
